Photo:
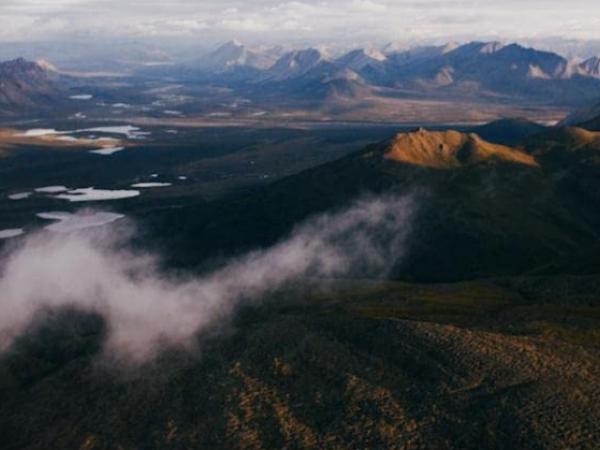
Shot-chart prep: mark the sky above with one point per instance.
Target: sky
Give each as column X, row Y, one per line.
column 277, row 21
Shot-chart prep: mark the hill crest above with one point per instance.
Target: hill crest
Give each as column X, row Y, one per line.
column 450, row 149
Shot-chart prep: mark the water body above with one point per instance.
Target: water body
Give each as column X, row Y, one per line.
column 94, row 195
column 151, row 185
column 11, row 233
column 67, row 222
column 20, row 196
column 129, row 131
column 81, row 97
column 51, row 189
column 107, row 151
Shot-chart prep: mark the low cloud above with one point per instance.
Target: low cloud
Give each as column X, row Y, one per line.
column 332, row 20
column 146, row 308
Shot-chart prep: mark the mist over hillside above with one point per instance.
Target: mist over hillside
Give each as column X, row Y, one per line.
column 146, row 309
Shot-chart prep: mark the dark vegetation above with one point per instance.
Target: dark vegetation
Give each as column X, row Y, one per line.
column 505, row 363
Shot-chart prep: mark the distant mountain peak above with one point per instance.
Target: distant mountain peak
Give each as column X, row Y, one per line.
column 232, row 43
column 295, row 64
column 360, row 58
column 234, row 54
column 22, row 68
column 450, row 46
column 26, row 84
column 374, row 53
column 475, row 48
column 19, row 64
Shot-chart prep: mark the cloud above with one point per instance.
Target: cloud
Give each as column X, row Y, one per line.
column 368, row 6
column 326, row 20
column 146, row 308
column 244, row 25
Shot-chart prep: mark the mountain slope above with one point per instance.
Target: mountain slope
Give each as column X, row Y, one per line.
column 582, row 115
column 498, row 211
column 591, row 67
column 419, row 54
column 295, row 64
column 592, row 124
column 493, row 364
column 25, row 85
column 508, row 131
column 358, row 59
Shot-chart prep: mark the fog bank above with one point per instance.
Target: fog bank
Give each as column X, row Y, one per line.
column 145, row 307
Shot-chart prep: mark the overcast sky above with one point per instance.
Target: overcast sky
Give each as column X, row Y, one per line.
column 277, row 21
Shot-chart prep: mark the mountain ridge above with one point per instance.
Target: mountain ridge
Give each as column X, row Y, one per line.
column 500, row 212
column 451, row 149
column 472, row 69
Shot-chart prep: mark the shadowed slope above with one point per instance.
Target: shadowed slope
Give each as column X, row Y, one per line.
column 508, row 131
column 592, row 124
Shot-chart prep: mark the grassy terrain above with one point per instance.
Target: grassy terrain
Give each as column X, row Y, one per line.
column 390, row 365
column 496, row 305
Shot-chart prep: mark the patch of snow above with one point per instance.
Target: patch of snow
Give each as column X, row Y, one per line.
column 182, row 178
column 536, row 72
column 67, row 138
column 94, row 195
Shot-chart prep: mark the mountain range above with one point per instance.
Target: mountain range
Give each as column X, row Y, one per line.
column 487, row 69
column 481, row 72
